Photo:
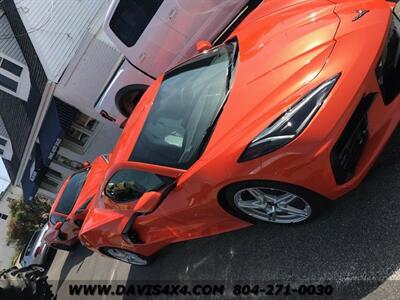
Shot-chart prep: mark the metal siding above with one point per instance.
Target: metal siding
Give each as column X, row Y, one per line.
column 3, row 130
column 57, row 28
column 16, row 120
column 82, row 87
column 8, row 43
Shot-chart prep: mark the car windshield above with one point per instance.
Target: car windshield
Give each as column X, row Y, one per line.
column 71, row 192
column 186, row 108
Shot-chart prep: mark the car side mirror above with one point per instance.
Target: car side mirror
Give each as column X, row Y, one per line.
column 86, row 164
column 58, row 225
column 123, row 191
column 148, row 202
column 203, row 46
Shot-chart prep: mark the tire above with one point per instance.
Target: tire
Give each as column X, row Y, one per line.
column 233, row 196
column 141, row 260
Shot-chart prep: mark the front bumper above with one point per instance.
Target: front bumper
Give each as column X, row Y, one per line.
column 117, row 229
column 53, row 236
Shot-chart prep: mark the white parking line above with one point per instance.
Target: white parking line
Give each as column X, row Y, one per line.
column 112, row 277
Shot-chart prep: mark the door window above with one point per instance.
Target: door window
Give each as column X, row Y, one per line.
column 131, row 18
column 129, row 184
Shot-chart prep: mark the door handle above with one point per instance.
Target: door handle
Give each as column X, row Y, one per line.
column 172, row 14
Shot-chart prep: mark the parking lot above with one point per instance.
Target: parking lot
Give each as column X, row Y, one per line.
column 356, row 242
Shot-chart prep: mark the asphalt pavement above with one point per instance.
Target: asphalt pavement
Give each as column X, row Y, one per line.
column 355, row 245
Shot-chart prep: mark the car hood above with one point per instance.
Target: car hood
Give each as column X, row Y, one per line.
column 283, row 46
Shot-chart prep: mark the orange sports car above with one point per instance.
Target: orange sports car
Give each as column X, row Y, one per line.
column 72, row 204
column 289, row 113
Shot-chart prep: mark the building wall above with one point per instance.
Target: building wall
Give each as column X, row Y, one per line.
column 88, row 74
column 9, row 45
column 18, row 115
column 80, row 85
column 15, row 115
column 102, row 141
column 7, row 252
column 6, row 151
column 38, row 75
column 61, row 24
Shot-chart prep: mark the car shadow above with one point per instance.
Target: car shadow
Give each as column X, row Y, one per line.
column 74, row 258
column 353, row 246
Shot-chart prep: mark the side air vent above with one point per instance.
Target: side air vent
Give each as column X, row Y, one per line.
column 388, row 70
column 129, row 234
column 348, row 150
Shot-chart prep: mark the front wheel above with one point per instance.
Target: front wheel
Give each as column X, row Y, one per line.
column 259, row 201
column 126, row 256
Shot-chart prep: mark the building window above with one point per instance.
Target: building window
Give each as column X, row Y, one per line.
column 47, row 180
column 66, row 162
column 51, row 181
column 78, row 137
column 1, row 151
column 54, row 174
column 80, row 134
column 8, row 83
column 86, row 121
column 14, row 78
column 49, row 184
column 3, row 142
column 3, row 216
column 11, row 67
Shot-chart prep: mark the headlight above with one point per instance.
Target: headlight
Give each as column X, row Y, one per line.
column 290, row 124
